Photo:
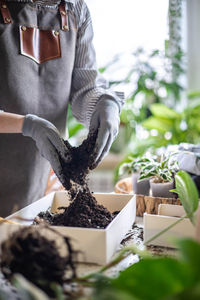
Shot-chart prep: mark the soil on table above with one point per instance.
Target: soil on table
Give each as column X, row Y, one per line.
column 84, row 211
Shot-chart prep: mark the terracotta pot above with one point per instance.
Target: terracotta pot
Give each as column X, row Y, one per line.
column 141, row 187
column 124, row 186
column 162, row 189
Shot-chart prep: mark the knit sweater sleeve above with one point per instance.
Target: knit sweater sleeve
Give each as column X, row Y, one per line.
column 88, row 85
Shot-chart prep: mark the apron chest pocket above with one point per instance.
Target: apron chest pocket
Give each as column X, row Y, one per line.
column 39, row 45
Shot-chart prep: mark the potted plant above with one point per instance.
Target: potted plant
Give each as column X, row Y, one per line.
column 134, row 167
column 161, row 175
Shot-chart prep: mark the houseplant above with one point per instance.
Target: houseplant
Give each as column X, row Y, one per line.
column 161, row 175
column 134, row 167
column 146, row 79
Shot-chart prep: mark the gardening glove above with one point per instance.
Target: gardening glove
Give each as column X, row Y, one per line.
column 189, row 147
column 106, row 119
column 187, row 156
column 48, row 141
column 189, row 162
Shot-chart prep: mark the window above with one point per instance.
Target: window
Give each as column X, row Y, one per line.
column 122, row 26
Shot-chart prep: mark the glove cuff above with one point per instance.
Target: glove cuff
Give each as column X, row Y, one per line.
column 28, row 125
column 110, row 101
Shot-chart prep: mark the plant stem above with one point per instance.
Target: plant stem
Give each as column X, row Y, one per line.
column 124, row 253
column 164, row 230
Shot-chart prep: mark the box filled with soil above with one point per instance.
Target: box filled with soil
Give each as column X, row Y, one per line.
column 94, row 245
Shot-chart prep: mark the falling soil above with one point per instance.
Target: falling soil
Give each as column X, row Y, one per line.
column 84, row 211
column 38, row 258
column 82, row 161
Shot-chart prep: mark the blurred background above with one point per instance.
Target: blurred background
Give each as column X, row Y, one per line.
column 149, row 50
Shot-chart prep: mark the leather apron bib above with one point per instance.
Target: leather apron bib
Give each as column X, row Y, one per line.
column 37, row 52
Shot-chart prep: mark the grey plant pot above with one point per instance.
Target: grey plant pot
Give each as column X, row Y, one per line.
column 162, row 189
column 141, row 187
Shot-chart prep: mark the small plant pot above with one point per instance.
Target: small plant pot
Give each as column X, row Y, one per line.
column 162, row 189
column 142, row 187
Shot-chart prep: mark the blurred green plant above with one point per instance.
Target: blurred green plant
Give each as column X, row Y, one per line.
column 156, row 278
column 134, row 165
column 173, row 127
column 173, row 46
column 148, row 79
column 166, row 126
column 188, row 194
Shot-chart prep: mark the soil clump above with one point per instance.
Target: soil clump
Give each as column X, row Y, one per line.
column 83, row 211
column 38, row 258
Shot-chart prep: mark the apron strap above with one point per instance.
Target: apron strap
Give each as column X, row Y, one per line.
column 5, row 12
column 64, row 16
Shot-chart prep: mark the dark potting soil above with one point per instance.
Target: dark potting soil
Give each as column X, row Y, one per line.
column 82, row 161
column 84, row 211
column 30, row 253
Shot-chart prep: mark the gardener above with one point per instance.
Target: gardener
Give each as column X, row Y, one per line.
column 47, row 60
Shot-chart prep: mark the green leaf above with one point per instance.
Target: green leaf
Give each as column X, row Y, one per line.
column 155, row 53
column 192, row 293
column 154, row 279
column 112, row 294
column 162, row 125
column 187, row 192
column 193, row 94
column 190, row 253
column 74, row 128
column 58, row 291
column 102, row 70
column 193, row 106
column 125, row 168
column 163, row 111
column 163, row 175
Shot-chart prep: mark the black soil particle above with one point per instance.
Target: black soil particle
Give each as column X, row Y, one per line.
column 84, row 211
column 37, row 258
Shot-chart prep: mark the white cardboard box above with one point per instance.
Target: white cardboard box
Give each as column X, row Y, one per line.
column 167, row 215
column 94, row 245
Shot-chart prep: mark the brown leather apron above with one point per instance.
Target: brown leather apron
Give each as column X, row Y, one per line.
column 37, row 51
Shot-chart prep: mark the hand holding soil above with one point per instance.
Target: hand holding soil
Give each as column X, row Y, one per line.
column 84, row 211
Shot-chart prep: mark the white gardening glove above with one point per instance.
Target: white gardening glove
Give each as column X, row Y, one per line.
column 48, row 141
column 105, row 118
